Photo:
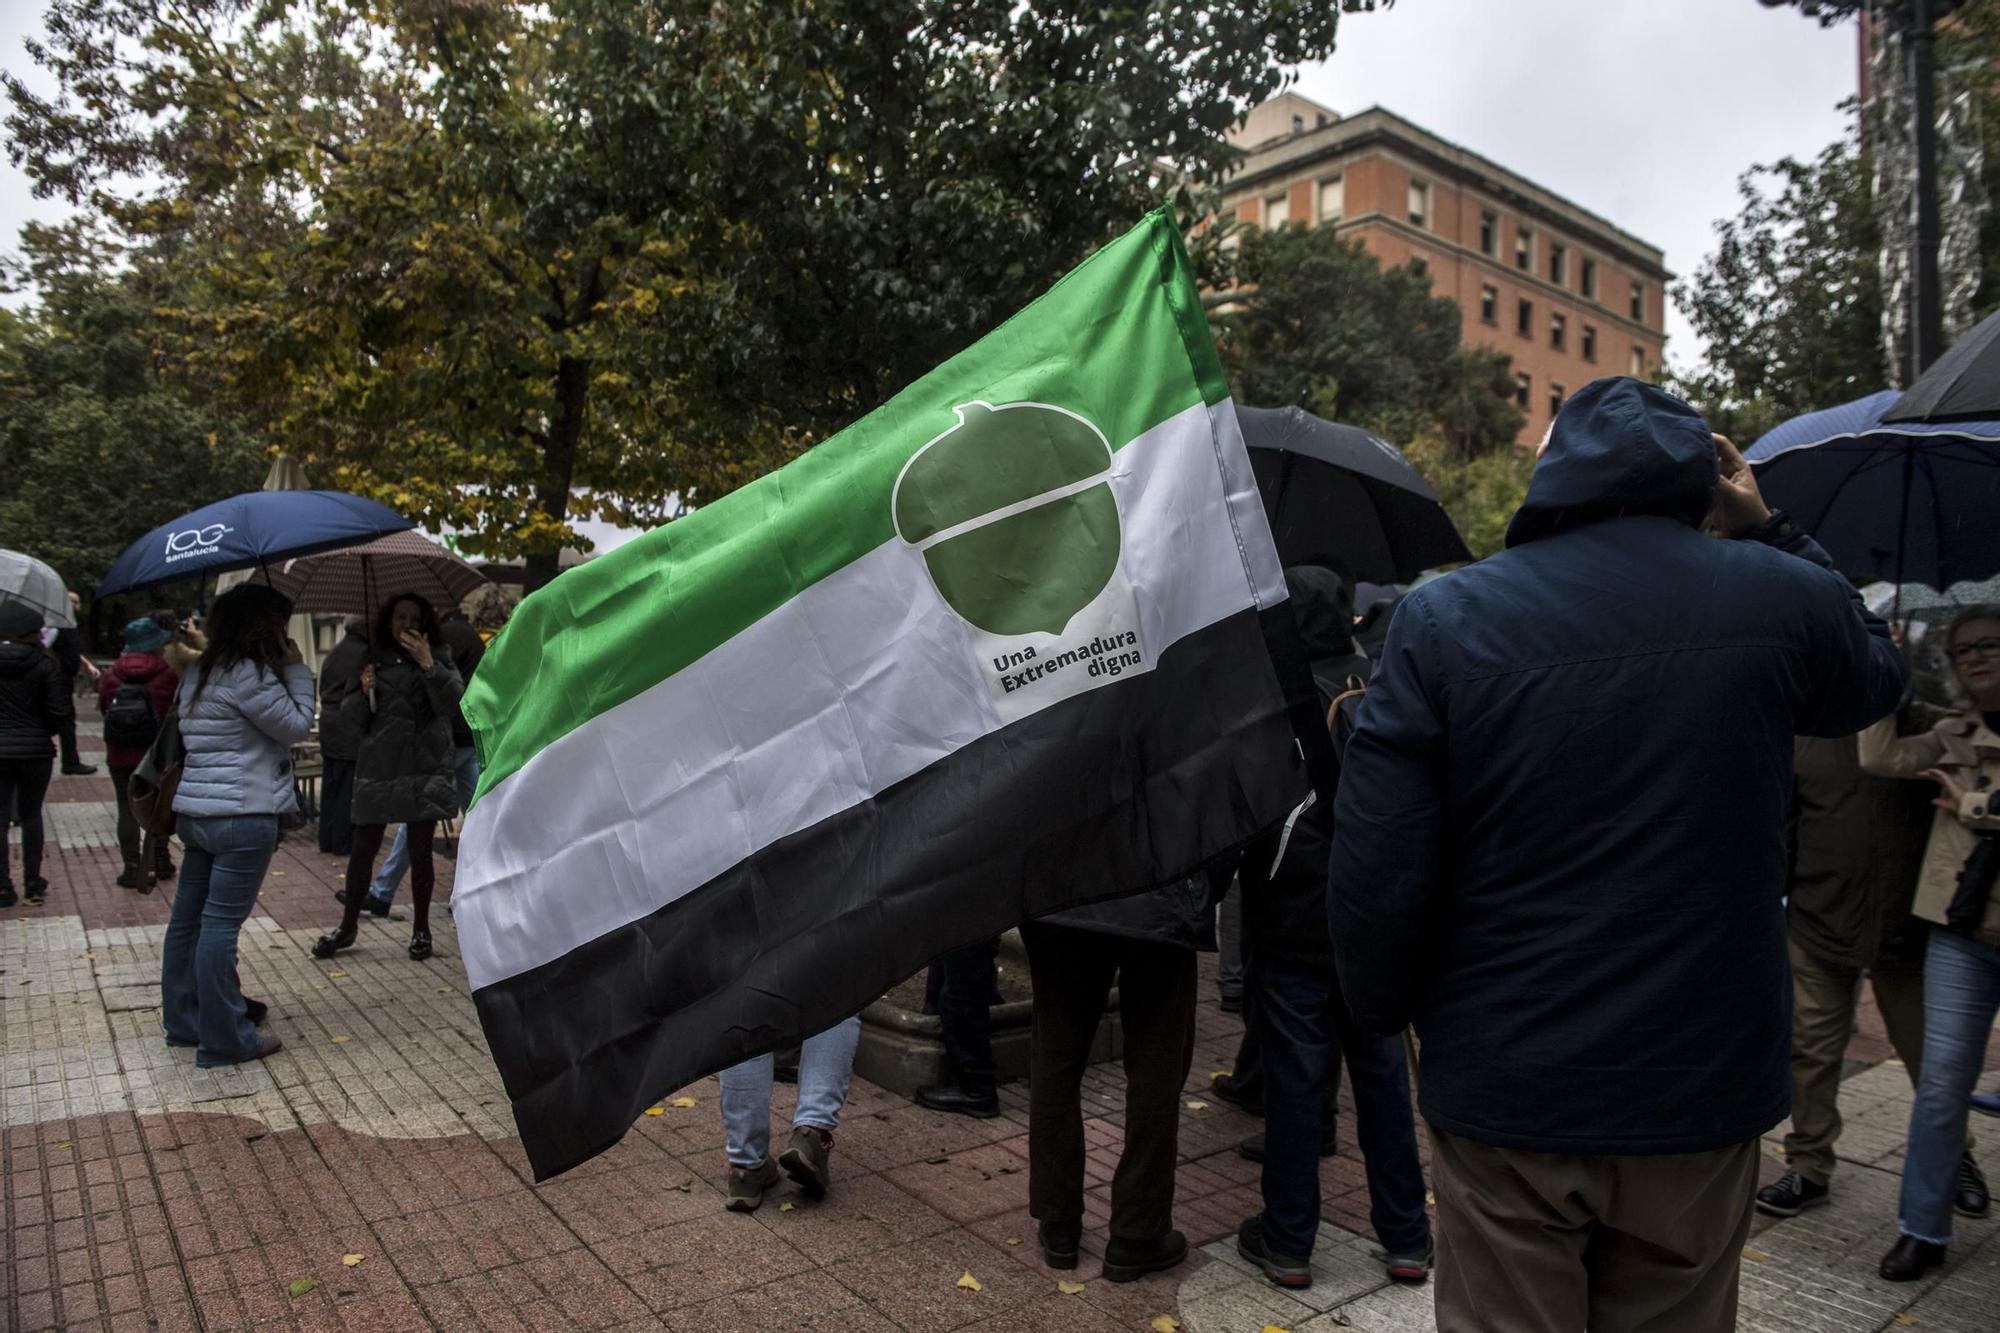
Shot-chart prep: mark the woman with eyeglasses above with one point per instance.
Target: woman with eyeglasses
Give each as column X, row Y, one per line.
column 1956, row 894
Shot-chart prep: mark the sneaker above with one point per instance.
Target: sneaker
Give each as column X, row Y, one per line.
column 128, row 878
column 1970, row 1198
column 1986, row 1103
column 805, row 1161
column 78, row 770
column 1790, row 1196
column 1130, row 1260
column 955, row 1100
column 747, row 1185
column 33, row 891
column 1410, row 1265
column 1280, row 1270
column 369, row 902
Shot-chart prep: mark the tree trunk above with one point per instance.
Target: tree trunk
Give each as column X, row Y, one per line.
column 559, row 463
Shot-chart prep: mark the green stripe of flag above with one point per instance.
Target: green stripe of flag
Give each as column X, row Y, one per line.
column 1121, row 337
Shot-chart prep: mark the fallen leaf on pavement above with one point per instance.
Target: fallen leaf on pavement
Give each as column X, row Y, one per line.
column 336, row 974
column 65, row 1144
column 341, row 1038
column 1906, row 1319
column 1165, row 1323
column 1197, row 1106
column 303, row 1285
column 1755, row 1256
column 1013, row 1240
column 970, row 1283
column 786, row 1206
column 88, row 957
column 1070, row 1288
column 686, row 1186
column 1273, row 1328
column 444, row 990
column 1218, row 1073
column 352, row 1259
column 655, row 1110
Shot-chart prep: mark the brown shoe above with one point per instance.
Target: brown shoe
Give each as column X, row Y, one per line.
column 747, row 1185
column 806, row 1159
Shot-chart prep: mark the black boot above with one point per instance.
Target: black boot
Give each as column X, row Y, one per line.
column 955, row 1100
column 1910, row 1259
column 1130, row 1260
column 1060, row 1242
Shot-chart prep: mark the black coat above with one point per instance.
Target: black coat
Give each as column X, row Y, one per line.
column 405, row 771
column 339, row 677
column 1560, row 835
column 466, row 650
column 34, row 701
column 1857, row 850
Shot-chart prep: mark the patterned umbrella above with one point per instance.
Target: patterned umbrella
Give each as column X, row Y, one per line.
column 357, row 580
column 27, row 580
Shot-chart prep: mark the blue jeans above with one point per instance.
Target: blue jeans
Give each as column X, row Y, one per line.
column 397, row 863
column 826, row 1063
column 201, row 1001
column 1961, row 996
column 1303, row 1015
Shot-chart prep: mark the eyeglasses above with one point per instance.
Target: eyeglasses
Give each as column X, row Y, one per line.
column 1965, row 652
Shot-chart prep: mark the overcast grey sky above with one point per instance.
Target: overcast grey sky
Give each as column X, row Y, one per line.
column 1644, row 111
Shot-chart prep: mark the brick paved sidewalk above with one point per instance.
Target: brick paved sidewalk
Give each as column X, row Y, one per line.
column 143, row 1193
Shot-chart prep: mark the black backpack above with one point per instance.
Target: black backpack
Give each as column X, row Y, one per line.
column 130, row 723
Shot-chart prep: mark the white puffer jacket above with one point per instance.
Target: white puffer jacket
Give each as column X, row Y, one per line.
column 239, row 735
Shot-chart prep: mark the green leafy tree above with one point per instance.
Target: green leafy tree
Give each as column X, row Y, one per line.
column 505, row 265
column 1319, row 323
column 95, row 446
column 1789, row 305
column 1481, row 494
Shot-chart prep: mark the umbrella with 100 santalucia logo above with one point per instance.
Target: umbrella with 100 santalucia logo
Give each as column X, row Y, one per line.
column 256, row 530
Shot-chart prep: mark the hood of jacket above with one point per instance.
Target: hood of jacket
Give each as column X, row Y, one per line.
column 1619, row 447
column 139, row 668
column 17, row 659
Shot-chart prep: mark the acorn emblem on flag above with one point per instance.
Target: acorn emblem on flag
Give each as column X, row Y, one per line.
column 1013, row 512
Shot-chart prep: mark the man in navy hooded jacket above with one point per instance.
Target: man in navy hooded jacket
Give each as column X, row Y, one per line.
column 1559, row 853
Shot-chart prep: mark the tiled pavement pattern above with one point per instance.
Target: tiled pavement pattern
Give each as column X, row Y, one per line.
column 142, row 1193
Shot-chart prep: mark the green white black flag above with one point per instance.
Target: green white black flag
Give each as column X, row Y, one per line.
column 1001, row 647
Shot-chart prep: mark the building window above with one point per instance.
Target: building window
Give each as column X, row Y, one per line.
column 1277, row 211
column 1639, row 302
column 1556, row 396
column 1639, row 362
column 1489, row 231
column 1524, row 249
column 1489, row 305
column 1420, row 203
column 1298, row 124
column 1420, row 266
column 1590, row 277
column 1558, row 331
column 1589, row 342
column 1524, row 319
column 1558, row 264
column 1523, row 386
column 1332, row 198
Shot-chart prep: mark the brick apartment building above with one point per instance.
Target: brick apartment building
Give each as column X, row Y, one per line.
column 1569, row 296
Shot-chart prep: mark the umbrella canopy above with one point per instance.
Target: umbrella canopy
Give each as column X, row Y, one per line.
column 247, row 531
column 1964, row 384
column 358, row 579
column 1335, row 493
column 27, row 580
column 1907, row 502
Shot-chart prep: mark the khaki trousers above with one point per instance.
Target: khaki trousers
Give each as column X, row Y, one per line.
column 1558, row 1243
column 1824, row 996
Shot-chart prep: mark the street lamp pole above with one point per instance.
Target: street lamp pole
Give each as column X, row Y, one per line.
column 1926, row 313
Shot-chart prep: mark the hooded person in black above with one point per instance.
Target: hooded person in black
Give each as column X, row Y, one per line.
column 35, row 702
column 1559, row 852
column 1304, row 1027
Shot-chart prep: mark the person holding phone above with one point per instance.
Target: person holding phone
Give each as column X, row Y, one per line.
column 405, row 769
column 242, row 705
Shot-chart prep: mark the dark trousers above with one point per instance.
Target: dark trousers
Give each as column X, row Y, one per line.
column 23, row 784
column 1247, row 1072
column 336, row 806
column 66, row 735
column 1619, row 1244
column 130, row 836
column 1307, row 1030
column 1073, row 971
column 361, row 869
column 968, row 988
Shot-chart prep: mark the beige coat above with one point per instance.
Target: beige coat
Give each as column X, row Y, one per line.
column 1965, row 748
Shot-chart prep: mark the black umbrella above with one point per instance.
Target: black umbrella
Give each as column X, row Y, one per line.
column 1335, row 494
column 1963, row 385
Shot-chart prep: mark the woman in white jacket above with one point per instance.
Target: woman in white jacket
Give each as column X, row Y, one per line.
column 242, row 707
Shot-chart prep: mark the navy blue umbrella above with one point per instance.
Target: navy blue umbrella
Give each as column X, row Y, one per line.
column 248, row 531
column 1911, row 502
